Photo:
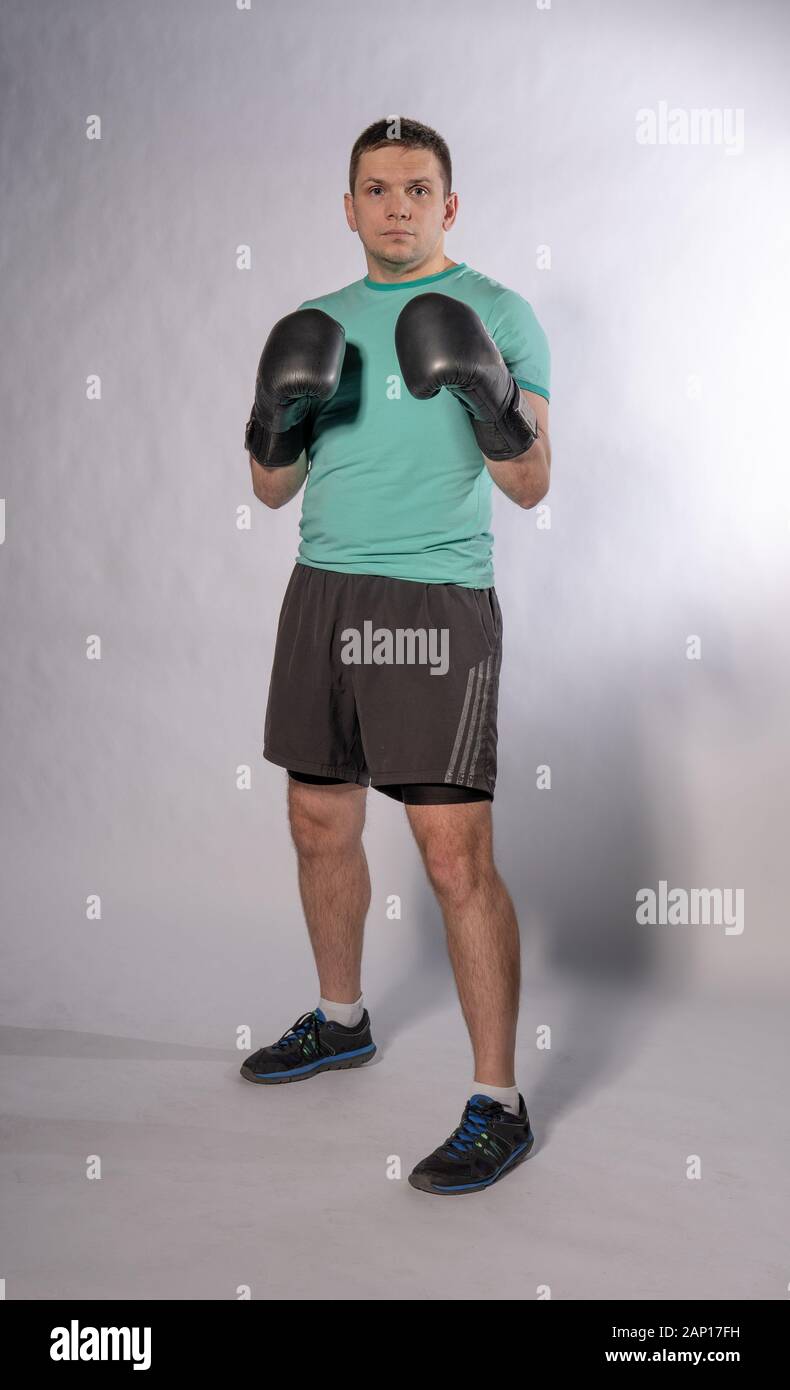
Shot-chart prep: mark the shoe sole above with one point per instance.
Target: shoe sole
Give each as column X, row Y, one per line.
column 336, row 1064
column 423, row 1183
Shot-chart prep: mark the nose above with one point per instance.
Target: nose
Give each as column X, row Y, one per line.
column 398, row 210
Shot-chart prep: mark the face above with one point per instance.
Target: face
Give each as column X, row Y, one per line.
column 399, row 209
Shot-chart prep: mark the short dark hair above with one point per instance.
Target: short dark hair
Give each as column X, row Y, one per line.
column 399, row 130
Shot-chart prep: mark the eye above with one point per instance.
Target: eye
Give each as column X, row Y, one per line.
column 420, row 189
column 376, row 188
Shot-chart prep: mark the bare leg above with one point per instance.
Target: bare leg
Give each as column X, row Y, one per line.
column 326, row 825
column 456, row 845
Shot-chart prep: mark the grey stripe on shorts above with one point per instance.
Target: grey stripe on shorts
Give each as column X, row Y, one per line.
column 479, row 682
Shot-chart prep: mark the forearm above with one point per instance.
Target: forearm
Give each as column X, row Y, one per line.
column 276, row 486
column 525, row 479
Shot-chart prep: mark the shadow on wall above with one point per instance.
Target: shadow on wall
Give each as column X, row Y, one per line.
column 576, row 854
column 572, row 859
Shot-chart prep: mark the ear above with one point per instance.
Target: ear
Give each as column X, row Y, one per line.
column 348, row 203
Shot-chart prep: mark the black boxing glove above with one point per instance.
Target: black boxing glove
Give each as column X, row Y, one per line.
column 300, row 364
column 442, row 342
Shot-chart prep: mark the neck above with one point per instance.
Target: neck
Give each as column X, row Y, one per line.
column 394, row 275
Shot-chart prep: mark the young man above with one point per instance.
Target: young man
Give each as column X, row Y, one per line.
column 409, row 391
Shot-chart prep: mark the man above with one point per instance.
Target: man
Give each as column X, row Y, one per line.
column 409, row 391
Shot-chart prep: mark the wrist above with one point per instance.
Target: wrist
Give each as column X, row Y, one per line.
column 512, row 433
column 273, row 450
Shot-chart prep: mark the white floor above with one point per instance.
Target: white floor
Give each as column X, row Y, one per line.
column 211, row 1185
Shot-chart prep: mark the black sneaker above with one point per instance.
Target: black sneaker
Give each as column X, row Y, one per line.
column 489, row 1142
column 313, row 1044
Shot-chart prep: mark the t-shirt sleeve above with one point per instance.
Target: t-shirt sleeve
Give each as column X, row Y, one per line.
column 514, row 328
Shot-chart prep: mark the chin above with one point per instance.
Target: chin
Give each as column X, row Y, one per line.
column 399, row 250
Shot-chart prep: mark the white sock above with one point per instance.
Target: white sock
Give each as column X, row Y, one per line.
column 349, row 1014
column 506, row 1095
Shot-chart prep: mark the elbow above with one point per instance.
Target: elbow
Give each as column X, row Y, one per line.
column 531, row 497
column 540, row 487
column 273, row 503
column 530, row 501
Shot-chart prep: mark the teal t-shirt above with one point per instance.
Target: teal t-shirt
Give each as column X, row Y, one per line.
column 398, row 486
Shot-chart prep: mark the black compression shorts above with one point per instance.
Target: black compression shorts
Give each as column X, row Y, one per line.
column 410, row 793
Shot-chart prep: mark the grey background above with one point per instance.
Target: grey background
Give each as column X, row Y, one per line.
column 666, row 307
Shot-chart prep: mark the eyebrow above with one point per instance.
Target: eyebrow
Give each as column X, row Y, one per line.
column 383, row 182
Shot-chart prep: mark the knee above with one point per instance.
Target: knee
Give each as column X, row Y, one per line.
column 320, row 830
column 455, row 873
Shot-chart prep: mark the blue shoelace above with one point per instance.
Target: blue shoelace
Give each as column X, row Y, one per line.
column 473, row 1125
column 300, row 1029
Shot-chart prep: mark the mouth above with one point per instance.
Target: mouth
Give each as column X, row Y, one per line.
column 397, row 233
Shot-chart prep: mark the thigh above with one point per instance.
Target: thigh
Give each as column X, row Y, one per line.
column 332, row 810
column 459, row 832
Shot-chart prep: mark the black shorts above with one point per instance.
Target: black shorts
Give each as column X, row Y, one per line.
column 384, row 681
